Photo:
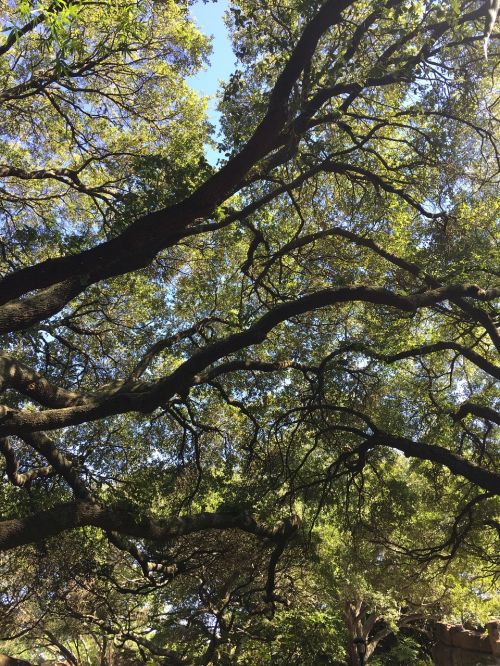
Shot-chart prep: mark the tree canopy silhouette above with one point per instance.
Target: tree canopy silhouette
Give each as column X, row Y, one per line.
column 216, row 380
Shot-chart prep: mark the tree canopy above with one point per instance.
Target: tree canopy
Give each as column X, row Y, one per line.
column 249, row 411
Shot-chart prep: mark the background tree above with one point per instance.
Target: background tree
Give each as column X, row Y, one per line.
column 210, row 376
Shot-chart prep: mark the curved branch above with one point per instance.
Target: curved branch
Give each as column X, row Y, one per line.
column 18, row 315
column 458, row 465
column 16, row 33
column 63, row 517
column 12, row 467
column 144, row 238
column 59, row 462
column 17, row 375
column 378, row 182
column 289, row 529
column 146, row 398
column 480, row 411
column 424, row 350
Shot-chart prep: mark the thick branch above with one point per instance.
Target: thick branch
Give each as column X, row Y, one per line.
column 149, row 397
column 16, row 375
column 480, row 477
column 18, row 315
column 476, row 410
column 59, row 462
column 143, row 239
column 63, row 517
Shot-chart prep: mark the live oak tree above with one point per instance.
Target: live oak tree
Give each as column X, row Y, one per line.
column 385, row 581
column 206, row 368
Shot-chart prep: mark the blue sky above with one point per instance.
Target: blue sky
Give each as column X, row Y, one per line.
column 209, row 18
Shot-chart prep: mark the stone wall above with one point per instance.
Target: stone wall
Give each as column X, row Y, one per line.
column 456, row 646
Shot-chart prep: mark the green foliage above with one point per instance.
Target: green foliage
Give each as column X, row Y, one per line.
column 389, row 185
column 406, row 651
